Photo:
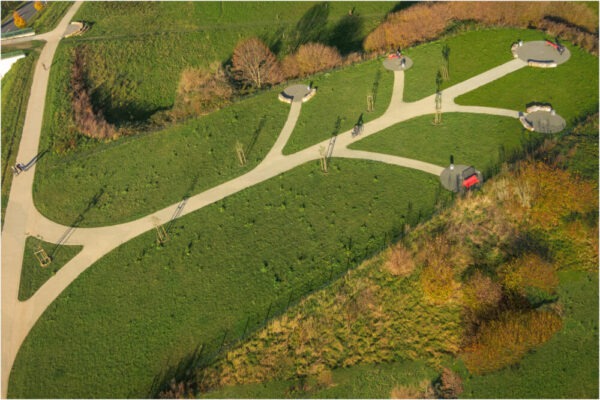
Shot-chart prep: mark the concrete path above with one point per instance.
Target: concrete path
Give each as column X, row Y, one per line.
column 23, row 219
column 17, row 321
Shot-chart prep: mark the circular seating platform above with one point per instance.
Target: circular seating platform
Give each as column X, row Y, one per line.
column 546, row 121
column 395, row 64
column 297, row 93
column 539, row 53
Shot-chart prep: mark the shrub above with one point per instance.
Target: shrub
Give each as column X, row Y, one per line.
column 19, row 21
column 449, row 385
column 424, row 22
column 503, row 342
column 400, row 261
column 423, row 391
column 481, row 294
column 316, row 57
column 254, row 63
column 38, row 5
column 530, row 276
column 201, row 92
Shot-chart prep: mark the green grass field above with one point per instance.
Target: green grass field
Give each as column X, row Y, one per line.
column 340, row 101
column 222, row 268
column 33, row 276
column 139, row 175
column 16, row 86
column 471, row 53
column 564, row 367
column 357, row 382
column 473, row 139
column 571, row 88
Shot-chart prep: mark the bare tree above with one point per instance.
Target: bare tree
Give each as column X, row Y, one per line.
column 253, row 62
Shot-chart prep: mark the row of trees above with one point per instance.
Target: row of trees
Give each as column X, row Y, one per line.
column 20, row 21
column 426, row 21
column 255, row 64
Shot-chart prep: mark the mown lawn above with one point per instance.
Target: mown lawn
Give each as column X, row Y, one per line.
column 340, row 101
column 357, row 382
column 571, row 88
column 140, row 174
column 33, row 276
column 564, row 367
column 471, row 53
column 16, row 86
column 473, row 139
column 142, row 308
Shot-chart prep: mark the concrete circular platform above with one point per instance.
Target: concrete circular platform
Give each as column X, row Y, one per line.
column 539, row 51
column 450, row 178
column 395, row 64
column 546, row 121
column 297, row 93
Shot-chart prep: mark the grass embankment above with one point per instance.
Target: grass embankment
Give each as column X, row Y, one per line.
column 526, row 246
column 340, row 101
column 571, row 88
column 139, row 175
column 473, row 139
column 139, row 50
column 33, row 276
column 16, row 86
column 47, row 19
column 219, row 273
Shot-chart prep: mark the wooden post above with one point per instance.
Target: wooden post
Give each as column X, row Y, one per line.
column 42, row 257
column 323, row 159
column 239, row 149
column 370, row 105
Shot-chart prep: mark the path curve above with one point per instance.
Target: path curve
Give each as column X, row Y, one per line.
column 23, row 219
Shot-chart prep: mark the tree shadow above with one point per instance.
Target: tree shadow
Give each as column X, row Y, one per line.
column 259, row 128
column 312, row 26
column 347, row 34
column 184, row 371
column 402, row 5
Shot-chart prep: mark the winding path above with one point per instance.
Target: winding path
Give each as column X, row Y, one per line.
column 23, row 219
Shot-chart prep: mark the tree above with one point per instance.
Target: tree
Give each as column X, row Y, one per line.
column 254, row 63
column 315, row 57
column 19, row 21
column 38, row 5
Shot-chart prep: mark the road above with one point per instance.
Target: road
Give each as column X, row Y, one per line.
column 27, row 11
column 23, row 219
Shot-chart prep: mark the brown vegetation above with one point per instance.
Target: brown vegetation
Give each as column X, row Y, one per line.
column 89, row 121
column 426, row 21
column 254, row 63
column 449, row 385
column 400, row 261
column 481, row 294
column 311, row 58
column 201, row 92
column 423, row 391
column 503, row 342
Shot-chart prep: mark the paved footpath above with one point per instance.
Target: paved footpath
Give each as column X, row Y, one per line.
column 23, row 219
